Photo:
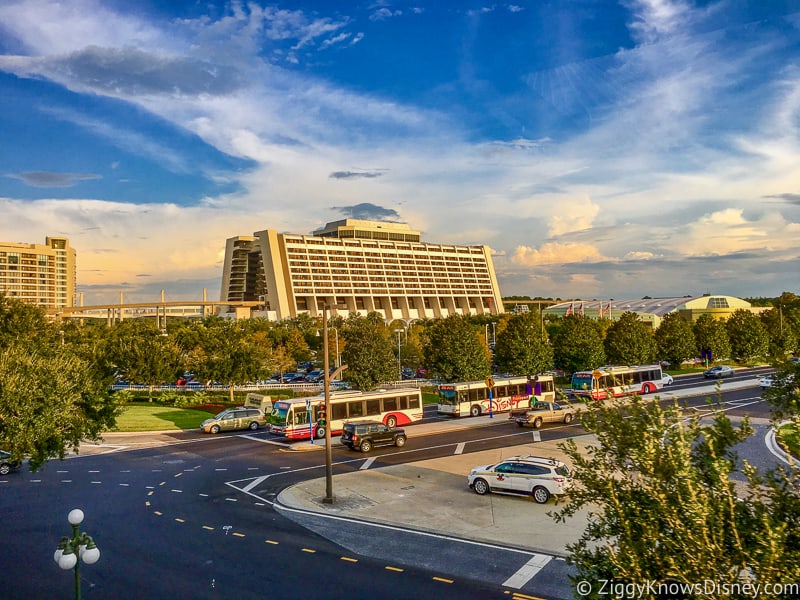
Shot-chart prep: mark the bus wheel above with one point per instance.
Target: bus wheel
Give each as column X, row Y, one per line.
column 646, row 389
column 320, row 432
column 391, row 421
column 475, row 411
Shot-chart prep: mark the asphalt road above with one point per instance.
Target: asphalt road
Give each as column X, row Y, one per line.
column 170, row 522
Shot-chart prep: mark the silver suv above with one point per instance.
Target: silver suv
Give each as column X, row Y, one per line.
column 532, row 476
column 235, row 418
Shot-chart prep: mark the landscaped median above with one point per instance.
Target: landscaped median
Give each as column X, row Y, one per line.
column 788, row 437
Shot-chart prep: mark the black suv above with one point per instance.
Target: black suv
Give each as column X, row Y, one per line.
column 363, row 435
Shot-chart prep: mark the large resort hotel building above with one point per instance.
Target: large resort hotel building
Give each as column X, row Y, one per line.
column 358, row 266
column 39, row 274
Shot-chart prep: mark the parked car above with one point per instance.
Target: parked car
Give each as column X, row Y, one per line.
column 666, row 379
column 795, row 360
column 765, row 381
column 718, row 372
column 532, row 476
column 233, row 419
column 6, row 464
column 364, row 435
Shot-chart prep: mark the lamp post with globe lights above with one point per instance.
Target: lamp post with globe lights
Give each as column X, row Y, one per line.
column 72, row 550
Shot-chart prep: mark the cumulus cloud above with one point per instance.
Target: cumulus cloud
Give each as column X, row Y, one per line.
column 45, row 179
column 571, row 214
column 555, row 253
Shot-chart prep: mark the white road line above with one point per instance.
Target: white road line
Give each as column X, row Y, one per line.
column 262, row 440
column 367, row 464
column 537, row 436
column 257, row 481
column 460, row 448
column 527, row 571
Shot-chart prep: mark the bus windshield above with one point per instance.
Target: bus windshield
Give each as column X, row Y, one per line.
column 582, row 381
column 279, row 412
column 447, row 396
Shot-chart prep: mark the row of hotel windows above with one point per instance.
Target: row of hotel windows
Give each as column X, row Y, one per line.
column 352, row 247
column 305, row 303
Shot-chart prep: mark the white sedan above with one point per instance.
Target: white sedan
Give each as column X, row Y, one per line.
column 666, row 379
column 765, row 381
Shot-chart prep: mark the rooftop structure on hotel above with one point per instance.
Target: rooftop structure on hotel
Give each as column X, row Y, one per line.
column 358, row 266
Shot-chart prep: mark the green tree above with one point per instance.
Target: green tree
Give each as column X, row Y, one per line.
column 629, row 341
column 226, row 353
column 522, row 347
column 578, row 344
column 749, row 339
column 783, row 395
column 368, row 352
column 782, row 335
column 52, row 397
column 144, row 353
column 665, row 507
column 675, row 340
column 455, row 349
column 711, row 335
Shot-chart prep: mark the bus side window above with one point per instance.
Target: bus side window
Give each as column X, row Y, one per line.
column 355, row 409
column 338, row 411
column 389, row 404
column 415, row 402
column 403, row 402
column 373, row 407
column 300, row 418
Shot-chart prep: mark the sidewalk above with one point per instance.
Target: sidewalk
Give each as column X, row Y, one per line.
column 433, row 496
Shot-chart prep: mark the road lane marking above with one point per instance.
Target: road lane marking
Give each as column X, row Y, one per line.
column 537, row 436
column 348, row 559
column 460, row 448
column 527, row 571
column 367, row 464
column 443, row 580
column 395, row 569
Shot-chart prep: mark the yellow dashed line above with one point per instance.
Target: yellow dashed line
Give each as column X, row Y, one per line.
column 443, row 580
column 309, row 550
column 163, row 483
column 150, row 493
column 158, row 513
column 271, row 542
column 207, row 527
column 348, row 559
column 178, row 474
column 147, row 503
column 239, row 534
column 394, row 569
column 519, row 596
column 179, row 520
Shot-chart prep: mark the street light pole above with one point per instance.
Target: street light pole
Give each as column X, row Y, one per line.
column 399, row 365
column 329, row 498
column 79, row 547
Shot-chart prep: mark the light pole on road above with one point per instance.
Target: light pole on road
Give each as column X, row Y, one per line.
column 80, row 547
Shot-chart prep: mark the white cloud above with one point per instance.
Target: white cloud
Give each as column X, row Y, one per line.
column 553, row 253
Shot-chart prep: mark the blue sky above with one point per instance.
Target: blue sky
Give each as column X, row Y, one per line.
column 601, row 149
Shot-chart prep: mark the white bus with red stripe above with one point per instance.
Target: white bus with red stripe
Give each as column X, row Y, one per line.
column 290, row 418
column 471, row 398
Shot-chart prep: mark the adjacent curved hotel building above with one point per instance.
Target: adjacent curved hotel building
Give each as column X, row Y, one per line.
column 358, row 266
column 39, row 274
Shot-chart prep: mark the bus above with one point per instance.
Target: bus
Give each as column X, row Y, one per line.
column 607, row 381
column 289, row 418
column 508, row 394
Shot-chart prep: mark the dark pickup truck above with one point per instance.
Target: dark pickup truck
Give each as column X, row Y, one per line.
column 545, row 412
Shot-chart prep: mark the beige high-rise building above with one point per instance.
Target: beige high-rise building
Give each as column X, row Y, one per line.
column 40, row 274
column 360, row 267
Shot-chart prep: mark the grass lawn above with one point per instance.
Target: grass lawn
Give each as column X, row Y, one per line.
column 155, row 417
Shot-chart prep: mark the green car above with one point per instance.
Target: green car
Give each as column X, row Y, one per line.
column 233, row 419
